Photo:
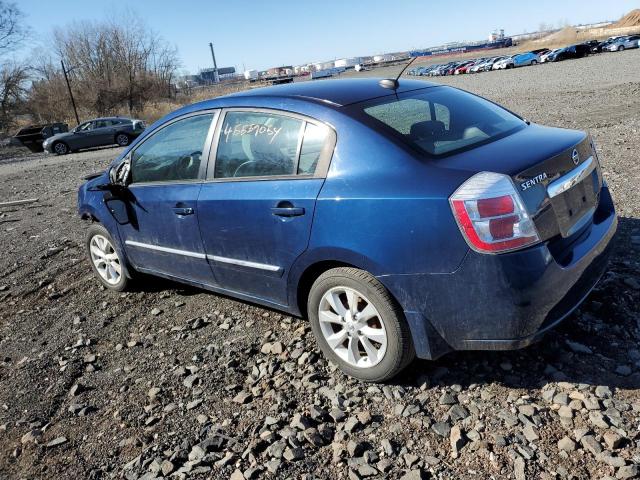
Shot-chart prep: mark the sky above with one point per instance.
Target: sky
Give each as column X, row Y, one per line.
column 250, row 34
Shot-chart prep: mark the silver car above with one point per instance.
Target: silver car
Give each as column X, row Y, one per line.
column 624, row 43
column 98, row 132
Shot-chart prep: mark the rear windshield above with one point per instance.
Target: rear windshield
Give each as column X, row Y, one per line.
column 442, row 120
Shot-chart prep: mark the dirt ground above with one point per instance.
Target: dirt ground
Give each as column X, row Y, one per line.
column 170, row 381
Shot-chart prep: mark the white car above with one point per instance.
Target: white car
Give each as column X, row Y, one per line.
column 545, row 56
column 475, row 68
column 503, row 64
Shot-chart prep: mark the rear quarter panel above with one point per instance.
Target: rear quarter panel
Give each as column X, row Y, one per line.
column 385, row 210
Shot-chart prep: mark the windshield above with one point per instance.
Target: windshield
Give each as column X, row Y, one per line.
column 441, row 120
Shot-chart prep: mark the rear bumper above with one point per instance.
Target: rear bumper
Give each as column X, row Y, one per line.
column 508, row 301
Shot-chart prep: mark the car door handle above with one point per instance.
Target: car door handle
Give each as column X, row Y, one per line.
column 285, row 209
column 183, row 211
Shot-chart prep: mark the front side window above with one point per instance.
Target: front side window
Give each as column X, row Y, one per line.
column 86, row 126
column 441, row 120
column 173, row 153
column 257, row 144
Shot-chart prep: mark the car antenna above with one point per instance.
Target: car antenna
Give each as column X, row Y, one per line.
column 393, row 83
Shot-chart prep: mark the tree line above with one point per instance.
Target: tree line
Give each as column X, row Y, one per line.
column 114, row 67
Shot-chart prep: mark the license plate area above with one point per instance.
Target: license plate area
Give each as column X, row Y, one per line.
column 572, row 206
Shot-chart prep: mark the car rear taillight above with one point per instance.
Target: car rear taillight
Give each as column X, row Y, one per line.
column 491, row 215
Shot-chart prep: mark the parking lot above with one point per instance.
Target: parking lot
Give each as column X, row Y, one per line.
column 170, row 380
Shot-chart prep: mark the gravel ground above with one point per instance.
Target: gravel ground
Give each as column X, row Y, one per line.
column 171, row 381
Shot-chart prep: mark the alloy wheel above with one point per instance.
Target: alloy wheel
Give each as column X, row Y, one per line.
column 105, row 259
column 122, row 140
column 60, row 148
column 352, row 327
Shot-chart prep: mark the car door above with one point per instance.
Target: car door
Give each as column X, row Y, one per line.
column 256, row 207
column 82, row 136
column 93, row 134
column 103, row 133
column 167, row 171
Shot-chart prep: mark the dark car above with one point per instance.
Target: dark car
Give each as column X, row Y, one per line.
column 401, row 218
column 603, row 46
column 593, row 45
column 95, row 133
column 573, row 51
column 34, row 136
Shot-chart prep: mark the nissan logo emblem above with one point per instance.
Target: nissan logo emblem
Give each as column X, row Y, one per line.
column 575, row 157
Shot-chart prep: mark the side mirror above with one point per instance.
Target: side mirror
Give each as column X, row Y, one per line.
column 120, row 174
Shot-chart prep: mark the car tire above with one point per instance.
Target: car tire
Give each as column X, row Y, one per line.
column 621, row 48
column 374, row 349
column 533, row 62
column 60, row 148
column 105, row 260
column 122, row 139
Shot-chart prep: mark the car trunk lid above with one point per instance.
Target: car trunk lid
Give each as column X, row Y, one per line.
column 554, row 170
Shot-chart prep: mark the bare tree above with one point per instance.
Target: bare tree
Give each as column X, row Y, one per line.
column 13, row 88
column 116, row 64
column 12, row 29
column 13, row 74
column 543, row 27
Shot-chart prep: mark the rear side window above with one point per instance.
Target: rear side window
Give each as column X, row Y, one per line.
column 313, row 143
column 258, row 144
column 173, row 153
column 442, row 120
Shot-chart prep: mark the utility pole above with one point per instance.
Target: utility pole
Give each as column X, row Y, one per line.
column 73, row 102
column 216, row 78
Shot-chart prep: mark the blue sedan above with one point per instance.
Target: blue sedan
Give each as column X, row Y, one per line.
column 402, row 218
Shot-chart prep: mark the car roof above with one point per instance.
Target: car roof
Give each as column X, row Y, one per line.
column 108, row 118
column 336, row 92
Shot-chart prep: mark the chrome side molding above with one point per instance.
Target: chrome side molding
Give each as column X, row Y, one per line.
column 215, row 258
column 157, row 248
column 244, row 263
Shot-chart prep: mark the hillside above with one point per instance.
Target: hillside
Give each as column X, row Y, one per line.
column 631, row 19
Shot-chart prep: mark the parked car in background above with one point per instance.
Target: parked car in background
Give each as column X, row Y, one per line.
column 446, row 222
column 95, row 133
column 593, row 45
column 463, row 67
column 488, row 65
column 426, row 71
column 572, row 51
column 518, row 60
column 446, row 68
column 504, row 63
column 603, row 46
column 451, row 70
column 437, row 71
column 624, row 43
column 547, row 57
column 540, row 51
column 475, row 68
column 524, row 59
column 33, row 136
